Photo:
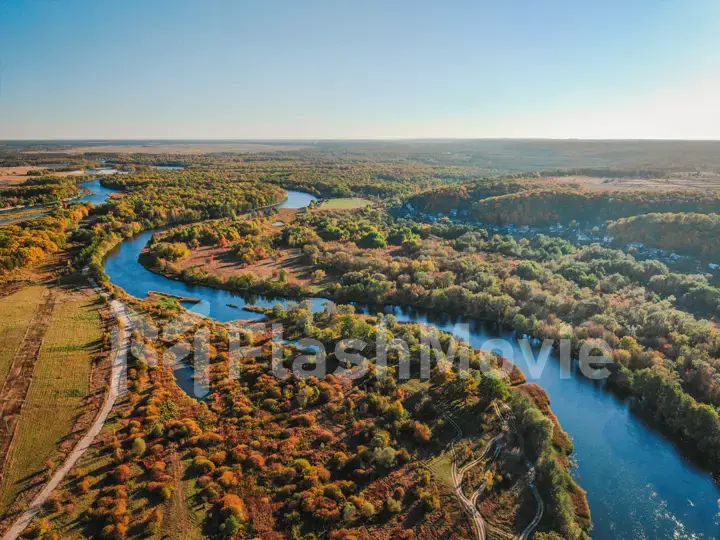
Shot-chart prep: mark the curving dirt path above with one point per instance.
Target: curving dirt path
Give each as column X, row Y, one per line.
column 457, row 477
column 120, row 345
column 531, row 473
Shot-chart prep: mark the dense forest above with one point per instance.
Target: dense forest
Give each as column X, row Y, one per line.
column 263, row 454
column 664, row 355
column 40, row 190
column 543, row 287
column 530, row 203
column 350, row 458
column 687, row 233
column 27, row 243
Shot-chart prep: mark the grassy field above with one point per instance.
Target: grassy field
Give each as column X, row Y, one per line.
column 16, row 310
column 345, row 203
column 56, row 397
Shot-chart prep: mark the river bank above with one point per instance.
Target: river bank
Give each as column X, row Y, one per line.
column 638, row 484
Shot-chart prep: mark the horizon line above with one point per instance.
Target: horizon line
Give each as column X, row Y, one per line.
column 377, row 139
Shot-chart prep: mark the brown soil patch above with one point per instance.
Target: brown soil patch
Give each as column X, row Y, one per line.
column 15, row 175
column 220, row 262
column 679, row 181
column 501, row 509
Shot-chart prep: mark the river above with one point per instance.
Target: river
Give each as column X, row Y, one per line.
column 98, row 195
column 638, row 484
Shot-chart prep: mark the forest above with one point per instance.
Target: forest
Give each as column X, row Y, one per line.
column 263, row 456
column 527, row 202
column 685, row 233
column 39, row 190
column 543, row 287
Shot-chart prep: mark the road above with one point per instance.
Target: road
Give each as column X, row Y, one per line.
column 531, row 473
column 119, row 363
column 457, row 477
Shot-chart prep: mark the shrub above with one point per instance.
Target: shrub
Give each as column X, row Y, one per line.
column 393, row 506
column 203, row 466
column 122, row 474
column 232, row 505
column 385, row 457
column 367, row 510
column 349, row 512
column 139, row 446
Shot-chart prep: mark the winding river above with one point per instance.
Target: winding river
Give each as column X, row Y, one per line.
column 638, row 484
column 98, row 195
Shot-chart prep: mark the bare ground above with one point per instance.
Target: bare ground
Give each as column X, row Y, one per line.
column 676, row 181
column 219, row 262
column 18, row 175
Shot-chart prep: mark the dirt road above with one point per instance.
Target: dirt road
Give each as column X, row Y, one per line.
column 120, row 347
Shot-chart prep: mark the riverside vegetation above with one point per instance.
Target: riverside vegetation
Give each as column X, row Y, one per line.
column 276, row 458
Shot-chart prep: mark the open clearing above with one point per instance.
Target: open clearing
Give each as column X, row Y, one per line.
column 676, row 181
column 16, row 311
column 345, row 203
column 10, row 176
column 60, row 384
column 221, row 262
column 15, row 175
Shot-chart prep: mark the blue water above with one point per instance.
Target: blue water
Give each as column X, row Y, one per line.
column 99, row 193
column 638, row 484
column 169, row 167
column 297, row 199
column 124, row 270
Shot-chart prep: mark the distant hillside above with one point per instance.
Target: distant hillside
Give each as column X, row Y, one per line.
column 531, row 203
column 693, row 234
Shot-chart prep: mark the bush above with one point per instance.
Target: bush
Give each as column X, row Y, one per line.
column 139, row 446
column 367, row 510
column 393, row 506
column 203, row 466
column 122, row 474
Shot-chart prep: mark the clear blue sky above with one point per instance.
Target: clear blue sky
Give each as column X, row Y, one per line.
column 359, row 69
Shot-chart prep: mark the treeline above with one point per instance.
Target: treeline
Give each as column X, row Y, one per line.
column 563, row 204
column 156, row 199
column 603, row 172
column 461, row 196
column 593, row 293
column 510, row 201
column 41, row 190
column 27, row 243
column 687, row 233
column 290, row 456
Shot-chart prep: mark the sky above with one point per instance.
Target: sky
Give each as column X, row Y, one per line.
column 359, row 69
